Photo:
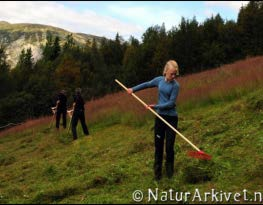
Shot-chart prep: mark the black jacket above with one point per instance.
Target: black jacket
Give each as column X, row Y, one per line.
column 62, row 105
column 79, row 102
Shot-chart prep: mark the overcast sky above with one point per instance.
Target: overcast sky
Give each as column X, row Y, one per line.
column 106, row 18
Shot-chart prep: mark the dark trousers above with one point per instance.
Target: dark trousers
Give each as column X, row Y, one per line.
column 79, row 115
column 64, row 117
column 161, row 130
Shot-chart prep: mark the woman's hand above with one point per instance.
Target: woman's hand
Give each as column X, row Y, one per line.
column 54, row 110
column 129, row 91
column 150, row 106
column 70, row 112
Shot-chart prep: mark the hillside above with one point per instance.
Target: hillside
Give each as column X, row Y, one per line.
column 25, row 35
column 39, row 165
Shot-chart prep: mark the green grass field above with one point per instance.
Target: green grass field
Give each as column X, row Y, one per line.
column 40, row 165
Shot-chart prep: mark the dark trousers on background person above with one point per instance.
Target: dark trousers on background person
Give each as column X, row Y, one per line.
column 79, row 115
column 161, row 130
column 64, row 118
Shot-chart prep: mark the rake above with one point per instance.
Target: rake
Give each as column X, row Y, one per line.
column 54, row 110
column 199, row 154
column 70, row 115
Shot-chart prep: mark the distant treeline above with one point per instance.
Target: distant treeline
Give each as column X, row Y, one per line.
column 28, row 90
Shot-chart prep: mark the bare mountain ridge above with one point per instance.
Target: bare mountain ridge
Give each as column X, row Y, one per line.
column 24, row 35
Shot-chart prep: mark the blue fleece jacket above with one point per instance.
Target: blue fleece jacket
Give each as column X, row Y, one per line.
column 167, row 94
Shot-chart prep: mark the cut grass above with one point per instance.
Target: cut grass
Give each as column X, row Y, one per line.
column 44, row 166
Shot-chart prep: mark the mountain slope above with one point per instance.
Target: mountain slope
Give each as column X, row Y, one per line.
column 25, row 35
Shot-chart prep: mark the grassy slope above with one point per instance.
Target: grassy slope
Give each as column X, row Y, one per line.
column 42, row 166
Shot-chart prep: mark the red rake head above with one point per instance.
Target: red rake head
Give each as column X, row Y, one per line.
column 199, row 155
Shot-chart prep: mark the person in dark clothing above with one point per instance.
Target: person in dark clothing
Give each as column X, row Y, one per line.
column 61, row 108
column 78, row 114
column 168, row 89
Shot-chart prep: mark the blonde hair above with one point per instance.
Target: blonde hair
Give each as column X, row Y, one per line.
column 172, row 63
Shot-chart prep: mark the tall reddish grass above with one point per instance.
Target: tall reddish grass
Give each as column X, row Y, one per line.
column 241, row 75
column 218, row 82
column 26, row 125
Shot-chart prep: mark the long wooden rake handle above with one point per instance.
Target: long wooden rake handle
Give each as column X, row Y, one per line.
column 69, row 124
column 70, row 121
column 155, row 113
column 54, row 113
column 51, row 121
